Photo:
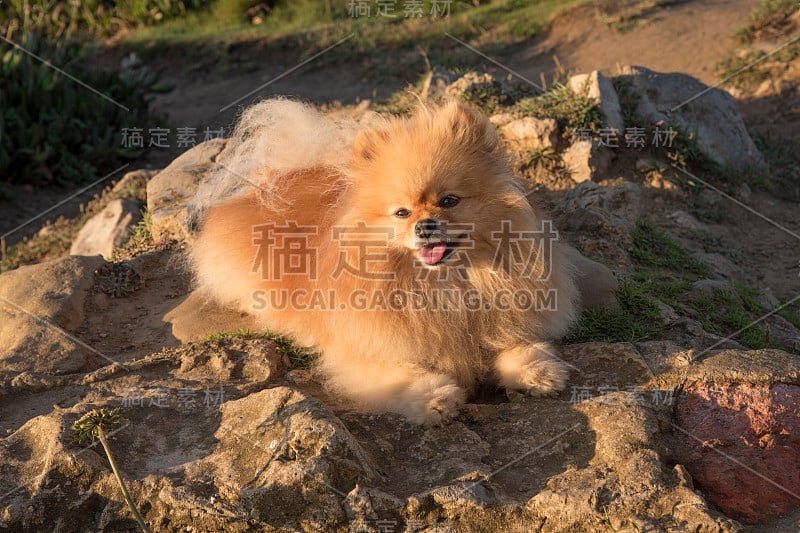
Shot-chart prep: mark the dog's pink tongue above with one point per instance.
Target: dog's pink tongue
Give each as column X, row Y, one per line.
column 432, row 253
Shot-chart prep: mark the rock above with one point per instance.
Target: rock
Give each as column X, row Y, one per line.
column 255, row 359
column 709, row 287
column 620, row 423
column 601, row 218
column 743, row 192
column 689, row 333
column 39, row 306
column 171, row 191
column 197, row 317
column 584, row 160
column 682, row 100
column 719, row 265
column 646, row 164
column 741, row 444
column 133, row 185
column 595, row 85
column 298, row 460
column 620, row 204
column 533, row 133
column 473, row 82
column 668, row 314
column 276, row 458
column 783, row 332
column 107, row 230
column 596, row 283
column 767, row 299
column 442, row 85
column 501, row 119
column 686, row 221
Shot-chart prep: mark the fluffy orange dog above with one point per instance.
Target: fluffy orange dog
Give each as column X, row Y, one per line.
column 404, row 252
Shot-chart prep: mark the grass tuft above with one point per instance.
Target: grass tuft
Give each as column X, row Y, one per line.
column 652, row 247
column 636, row 320
column 572, row 111
column 299, row 358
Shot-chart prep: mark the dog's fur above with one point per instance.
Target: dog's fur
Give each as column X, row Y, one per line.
column 318, row 173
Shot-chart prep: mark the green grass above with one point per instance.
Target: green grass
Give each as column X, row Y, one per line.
column 653, row 248
column 572, row 111
column 55, row 132
column 317, row 24
column 665, row 272
column 299, row 358
column 725, row 312
column 59, row 19
column 489, row 97
column 636, row 320
column 141, row 232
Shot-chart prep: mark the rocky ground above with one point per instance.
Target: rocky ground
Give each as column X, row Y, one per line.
column 667, row 424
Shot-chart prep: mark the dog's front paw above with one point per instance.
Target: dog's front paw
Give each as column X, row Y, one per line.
column 433, row 402
column 533, row 369
column 444, row 404
column 542, row 377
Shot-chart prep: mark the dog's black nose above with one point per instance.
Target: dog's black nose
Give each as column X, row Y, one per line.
column 425, row 227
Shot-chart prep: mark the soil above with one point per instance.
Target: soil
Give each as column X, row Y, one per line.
column 687, row 36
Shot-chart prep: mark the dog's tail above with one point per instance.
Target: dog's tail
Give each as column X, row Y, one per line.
column 272, row 138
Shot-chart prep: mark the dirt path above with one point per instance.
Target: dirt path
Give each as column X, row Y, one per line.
column 690, row 36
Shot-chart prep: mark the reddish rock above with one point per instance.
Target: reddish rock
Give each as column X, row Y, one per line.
column 741, row 443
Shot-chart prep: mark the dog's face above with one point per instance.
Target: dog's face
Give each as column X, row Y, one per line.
column 438, row 182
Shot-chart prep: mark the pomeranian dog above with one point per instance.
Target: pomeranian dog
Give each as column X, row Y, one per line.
column 404, row 252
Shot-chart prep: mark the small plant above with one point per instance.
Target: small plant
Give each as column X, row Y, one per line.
column 488, row 96
column 546, row 158
column 119, row 279
column 93, row 427
column 572, row 111
column 629, row 100
column 725, row 312
column 239, row 333
column 141, row 232
column 298, row 357
column 772, row 21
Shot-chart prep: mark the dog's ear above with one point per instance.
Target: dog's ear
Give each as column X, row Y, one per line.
column 471, row 126
column 367, row 142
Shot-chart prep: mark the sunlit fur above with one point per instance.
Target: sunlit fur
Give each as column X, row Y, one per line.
column 420, row 363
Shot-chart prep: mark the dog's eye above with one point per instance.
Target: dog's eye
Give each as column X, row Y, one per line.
column 402, row 213
column 451, row 200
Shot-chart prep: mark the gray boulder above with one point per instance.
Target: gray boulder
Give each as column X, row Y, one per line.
column 711, row 114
